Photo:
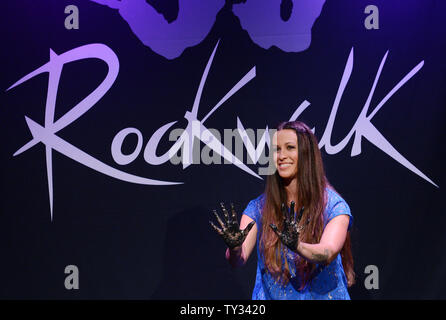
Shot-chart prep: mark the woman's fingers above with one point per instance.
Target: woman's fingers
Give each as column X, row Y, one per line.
column 276, row 230
column 230, row 229
column 299, row 216
column 219, row 231
column 227, row 217
column 222, row 225
column 285, row 213
column 291, row 215
column 248, row 228
column 234, row 214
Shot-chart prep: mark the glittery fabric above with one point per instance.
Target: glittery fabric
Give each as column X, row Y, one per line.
column 329, row 282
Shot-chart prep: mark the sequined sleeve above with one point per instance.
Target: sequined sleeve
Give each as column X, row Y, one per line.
column 253, row 209
column 336, row 206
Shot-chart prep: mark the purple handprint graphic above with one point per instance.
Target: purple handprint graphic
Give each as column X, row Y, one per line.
column 285, row 24
column 168, row 38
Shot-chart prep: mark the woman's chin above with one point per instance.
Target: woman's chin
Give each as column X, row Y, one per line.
column 285, row 175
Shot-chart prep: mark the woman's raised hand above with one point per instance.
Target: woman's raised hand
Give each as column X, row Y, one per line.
column 230, row 229
column 290, row 233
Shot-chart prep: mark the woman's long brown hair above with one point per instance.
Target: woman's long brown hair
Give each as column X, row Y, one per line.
column 311, row 194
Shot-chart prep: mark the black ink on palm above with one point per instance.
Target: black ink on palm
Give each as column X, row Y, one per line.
column 290, row 233
column 230, row 229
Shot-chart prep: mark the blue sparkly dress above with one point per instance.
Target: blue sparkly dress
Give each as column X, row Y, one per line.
column 329, row 282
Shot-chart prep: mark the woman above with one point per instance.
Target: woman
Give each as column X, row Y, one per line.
column 303, row 255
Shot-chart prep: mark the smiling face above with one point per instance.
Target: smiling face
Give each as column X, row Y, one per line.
column 286, row 153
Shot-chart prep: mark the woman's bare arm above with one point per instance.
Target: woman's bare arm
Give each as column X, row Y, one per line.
column 331, row 243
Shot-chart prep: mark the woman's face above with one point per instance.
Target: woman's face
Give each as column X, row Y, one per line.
column 285, row 153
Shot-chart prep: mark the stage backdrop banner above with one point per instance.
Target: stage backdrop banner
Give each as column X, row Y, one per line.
column 125, row 123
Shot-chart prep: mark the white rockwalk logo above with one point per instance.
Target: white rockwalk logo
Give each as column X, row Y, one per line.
column 195, row 129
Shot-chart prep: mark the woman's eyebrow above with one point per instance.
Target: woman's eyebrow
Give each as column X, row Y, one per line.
column 285, row 143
